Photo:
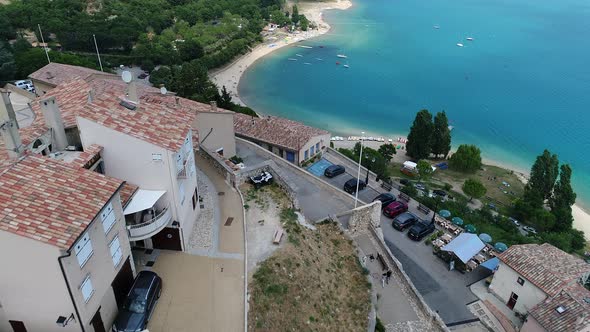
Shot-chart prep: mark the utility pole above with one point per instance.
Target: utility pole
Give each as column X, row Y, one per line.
column 358, row 176
column 97, row 54
column 44, row 45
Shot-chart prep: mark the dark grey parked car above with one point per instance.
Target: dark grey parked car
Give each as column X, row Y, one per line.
column 140, row 303
column 334, row 170
column 385, row 199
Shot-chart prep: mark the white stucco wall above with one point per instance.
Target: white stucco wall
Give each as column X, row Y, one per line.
column 219, row 129
column 32, row 287
column 505, row 282
column 100, row 268
column 131, row 159
column 324, row 141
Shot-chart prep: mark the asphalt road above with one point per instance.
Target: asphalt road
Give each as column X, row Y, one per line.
column 445, row 291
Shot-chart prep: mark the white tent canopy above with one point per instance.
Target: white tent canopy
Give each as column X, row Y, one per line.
column 465, row 246
column 143, row 200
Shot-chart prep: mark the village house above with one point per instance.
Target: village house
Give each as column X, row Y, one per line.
column 546, row 283
column 286, row 138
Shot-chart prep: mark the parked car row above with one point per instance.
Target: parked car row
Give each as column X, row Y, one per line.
column 25, row 85
column 402, row 219
column 351, row 185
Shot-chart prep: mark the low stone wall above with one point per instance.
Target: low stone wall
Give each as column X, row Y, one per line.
column 268, row 166
column 302, row 172
column 20, row 91
column 366, row 219
column 218, row 163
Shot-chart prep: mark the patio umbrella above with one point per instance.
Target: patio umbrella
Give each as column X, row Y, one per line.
column 457, row 221
column 500, row 246
column 444, row 213
column 470, row 228
column 485, row 237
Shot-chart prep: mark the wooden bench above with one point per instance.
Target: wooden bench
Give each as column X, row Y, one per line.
column 382, row 261
column 386, row 186
column 424, row 209
column 404, row 197
column 277, row 237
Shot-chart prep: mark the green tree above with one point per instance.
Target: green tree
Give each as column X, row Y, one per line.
column 474, row 189
column 279, row 18
column 190, row 49
column 562, row 200
column 441, row 136
column 387, row 151
column 7, row 65
column 419, row 139
column 161, row 76
column 303, row 22
column 561, row 240
column 424, row 170
column 578, row 239
column 295, row 15
column 225, row 99
column 467, row 159
column 542, row 180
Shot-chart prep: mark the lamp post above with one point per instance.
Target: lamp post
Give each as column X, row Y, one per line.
column 367, row 178
column 358, row 175
column 437, row 200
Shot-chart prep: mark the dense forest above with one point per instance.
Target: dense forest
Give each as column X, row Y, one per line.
column 186, row 36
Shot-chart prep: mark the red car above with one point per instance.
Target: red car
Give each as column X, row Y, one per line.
column 395, row 208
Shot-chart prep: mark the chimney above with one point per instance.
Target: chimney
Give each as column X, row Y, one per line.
column 53, row 120
column 90, row 96
column 10, row 134
column 132, row 92
column 213, row 106
column 177, row 99
column 6, row 99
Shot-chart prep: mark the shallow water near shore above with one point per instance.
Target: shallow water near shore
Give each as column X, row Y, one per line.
column 521, row 85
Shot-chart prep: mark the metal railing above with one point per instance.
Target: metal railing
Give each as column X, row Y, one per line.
column 149, row 228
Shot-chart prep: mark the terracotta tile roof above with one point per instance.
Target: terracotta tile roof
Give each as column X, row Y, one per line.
column 127, row 192
column 58, row 73
column 576, row 314
column 546, row 266
column 28, row 135
column 156, row 120
column 50, row 201
column 87, row 155
column 276, row 130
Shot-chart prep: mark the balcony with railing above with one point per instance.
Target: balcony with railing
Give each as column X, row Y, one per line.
column 147, row 214
column 150, row 227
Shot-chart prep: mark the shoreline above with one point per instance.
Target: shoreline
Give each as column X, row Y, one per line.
column 230, row 75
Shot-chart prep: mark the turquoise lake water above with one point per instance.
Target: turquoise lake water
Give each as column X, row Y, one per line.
column 522, row 84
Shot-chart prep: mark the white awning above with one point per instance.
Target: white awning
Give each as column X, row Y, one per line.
column 143, row 200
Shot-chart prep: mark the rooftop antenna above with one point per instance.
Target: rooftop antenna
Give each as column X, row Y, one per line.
column 98, row 54
column 126, row 76
column 44, row 45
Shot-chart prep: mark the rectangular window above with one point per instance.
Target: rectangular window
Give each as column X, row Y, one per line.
column 188, row 147
column 520, row 281
column 83, row 249
column 305, row 155
column 115, row 248
column 107, row 216
column 195, row 199
column 317, row 147
column 179, row 162
column 87, row 289
column 312, row 150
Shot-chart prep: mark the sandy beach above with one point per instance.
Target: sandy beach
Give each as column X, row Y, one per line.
column 229, row 76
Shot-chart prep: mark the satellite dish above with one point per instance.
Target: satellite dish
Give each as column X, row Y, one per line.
column 163, row 90
column 126, row 76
